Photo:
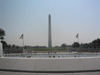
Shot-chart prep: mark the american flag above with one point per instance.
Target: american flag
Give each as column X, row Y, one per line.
column 77, row 36
column 21, row 37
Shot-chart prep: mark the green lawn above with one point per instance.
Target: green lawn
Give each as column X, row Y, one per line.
column 49, row 49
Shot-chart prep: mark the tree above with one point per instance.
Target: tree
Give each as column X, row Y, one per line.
column 94, row 43
column 4, row 44
column 90, row 45
column 25, row 46
column 2, row 33
column 37, row 46
column 86, row 45
column 9, row 46
column 98, row 41
column 63, row 45
column 17, row 47
column 2, row 38
column 75, row 45
column 13, row 46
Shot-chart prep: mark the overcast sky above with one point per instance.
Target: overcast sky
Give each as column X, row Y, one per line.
column 68, row 17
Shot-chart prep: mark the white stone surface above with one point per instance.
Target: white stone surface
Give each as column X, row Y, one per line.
column 32, row 74
column 87, row 73
column 10, row 73
column 24, row 64
column 52, row 64
column 18, row 73
column 93, row 73
column 0, row 72
column 7, row 63
column 1, row 51
column 91, row 64
column 70, row 65
column 57, row 74
column 46, row 65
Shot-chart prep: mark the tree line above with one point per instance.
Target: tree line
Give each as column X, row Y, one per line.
column 94, row 44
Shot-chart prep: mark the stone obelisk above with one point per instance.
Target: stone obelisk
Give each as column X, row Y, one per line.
column 49, row 32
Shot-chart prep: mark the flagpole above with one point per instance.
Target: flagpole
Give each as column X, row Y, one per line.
column 23, row 41
column 78, row 38
column 79, row 44
column 22, row 37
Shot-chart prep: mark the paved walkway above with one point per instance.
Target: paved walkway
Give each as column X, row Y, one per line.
column 50, row 64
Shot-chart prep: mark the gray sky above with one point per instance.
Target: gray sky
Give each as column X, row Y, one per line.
column 68, row 17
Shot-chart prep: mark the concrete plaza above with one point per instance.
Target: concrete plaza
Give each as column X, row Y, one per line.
column 50, row 64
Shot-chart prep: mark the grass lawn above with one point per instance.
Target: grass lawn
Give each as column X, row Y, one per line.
column 49, row 49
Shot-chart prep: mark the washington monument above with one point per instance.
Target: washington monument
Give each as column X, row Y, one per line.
column 49, row 32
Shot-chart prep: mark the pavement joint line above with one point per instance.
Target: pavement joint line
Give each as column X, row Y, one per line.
column 35, row 65
column 14, row 63
column 27, row 71
column 82, row 64
column 58, row 65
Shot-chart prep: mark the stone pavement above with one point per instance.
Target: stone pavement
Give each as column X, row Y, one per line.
column 50, row 64
column 19, row 73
